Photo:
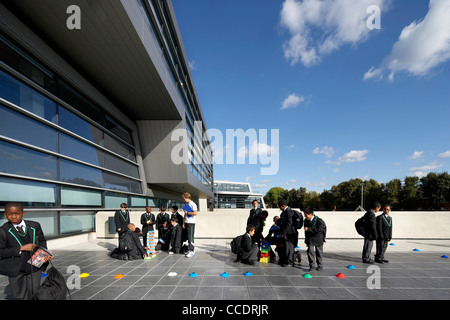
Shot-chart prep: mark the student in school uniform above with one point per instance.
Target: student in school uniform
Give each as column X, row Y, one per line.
column 370, row 228
column 175, row 239
column 189, row 222
column 160, row 218
column 122, row 219
column 19, row 239
column 136, row 249
column 147, row 221
column 250, row 249
column 314, row 238
column 384, row 234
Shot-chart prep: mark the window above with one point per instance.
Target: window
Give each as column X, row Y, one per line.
column 25, row 162
column 138, row 202
column 23, row 96
column 80, row 197
column 30, row 193
column 79, row 126
column 122, row 166
column 19, row 127
column 113, row 200
column 77, row 221
column 79, row 174
column 74, row 148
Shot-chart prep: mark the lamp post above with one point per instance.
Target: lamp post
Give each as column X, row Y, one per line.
column 361, row 206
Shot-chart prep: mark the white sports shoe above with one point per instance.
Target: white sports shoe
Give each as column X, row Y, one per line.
column 190, row 254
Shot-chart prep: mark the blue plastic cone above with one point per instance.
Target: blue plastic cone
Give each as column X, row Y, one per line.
column 247, row 274
column 444, row 256
column 224, row 275
column 416, row 250
column 193, row 275
column 351, row 267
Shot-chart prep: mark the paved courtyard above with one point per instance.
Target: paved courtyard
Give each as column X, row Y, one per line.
column 410, row 275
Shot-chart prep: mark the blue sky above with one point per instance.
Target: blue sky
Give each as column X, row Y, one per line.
column 358, row 102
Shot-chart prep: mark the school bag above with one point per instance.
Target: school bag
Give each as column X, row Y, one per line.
column 235, row 245
column 359, row 226
column 125, row 243
column 54, row 286
column 298, row 219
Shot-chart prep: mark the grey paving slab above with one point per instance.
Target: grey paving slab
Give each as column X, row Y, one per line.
column 409, row 275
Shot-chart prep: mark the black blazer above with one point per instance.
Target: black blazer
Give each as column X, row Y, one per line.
column 384, row 227
column 175, row 239
column 286, row 226
column 11, row 260
column 315, row 233
column 147, row 227
column 370, row 225
column 122, row 220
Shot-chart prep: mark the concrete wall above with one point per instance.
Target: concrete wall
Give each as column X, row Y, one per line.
column 228, row 223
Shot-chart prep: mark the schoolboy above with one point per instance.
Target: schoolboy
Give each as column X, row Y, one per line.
column 18, row 240
column 314, row 238
column 175, row 238
column 190, row 216
column 250, row 249
column 384, row 234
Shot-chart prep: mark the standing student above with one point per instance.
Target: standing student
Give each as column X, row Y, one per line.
column 288, row 234
column 255, row 210
column 18, row 240
column 175, row 238
column 384, row 234
column 190, row 215
column 370, row 228
column 314, row 238
column 122, row 219
column 160, row 218
column 147, row 221
column 177, row 215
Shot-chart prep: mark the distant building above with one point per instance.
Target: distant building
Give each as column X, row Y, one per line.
column 235, row 195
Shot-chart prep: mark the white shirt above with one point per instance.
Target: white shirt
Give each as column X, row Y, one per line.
column 188, row 218
column 22, row 224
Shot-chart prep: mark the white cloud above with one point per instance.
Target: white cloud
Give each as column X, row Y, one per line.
column 193, row 65
column 319, row 27
column 422, row 171
column 353, row 156
column 327, row 151
column 256, row 149
column 416, row 155
column 260, row 185
column 290, row 147
column 291, row 181
column 445, row 154
column 292, row 101
column 421, row 47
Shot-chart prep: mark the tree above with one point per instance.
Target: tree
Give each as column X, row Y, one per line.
column 391, row 193
column 273, row 195
column 434, row 188
column 410, row 194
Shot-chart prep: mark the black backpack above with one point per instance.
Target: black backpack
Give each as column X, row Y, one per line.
column 297, row 219
column 125, row 242
column 235, row 245
column 54, row 286
column 359, row 226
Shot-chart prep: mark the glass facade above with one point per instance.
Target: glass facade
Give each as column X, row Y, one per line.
column 157, row 17
column 60, row 151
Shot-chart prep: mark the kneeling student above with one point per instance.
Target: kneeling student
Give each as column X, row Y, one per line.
column 136, row 249
column 249, row 253
column 314, row 238
column 175, row 238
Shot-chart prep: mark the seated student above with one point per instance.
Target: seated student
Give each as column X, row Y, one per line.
column 135, row 249
column 250, row 249
column 175, row 238
column 164, row 238
column 273, row 237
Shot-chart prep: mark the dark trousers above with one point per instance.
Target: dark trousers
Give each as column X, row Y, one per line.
column 22, row 284
column 190, row 230
column 314, row 253
column 367, row 249
column 291, row 243
column 381, row 249
column 252, row 254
